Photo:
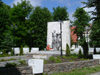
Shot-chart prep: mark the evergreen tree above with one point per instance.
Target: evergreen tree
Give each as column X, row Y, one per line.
column 96, row 4
column 95, row 31
column 95, row 35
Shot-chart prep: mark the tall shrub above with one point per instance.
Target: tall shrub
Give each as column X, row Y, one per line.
column 80, row 54
column 21, row 50
column 67, row 50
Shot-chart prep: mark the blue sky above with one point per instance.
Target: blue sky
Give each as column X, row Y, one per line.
column 50, row 4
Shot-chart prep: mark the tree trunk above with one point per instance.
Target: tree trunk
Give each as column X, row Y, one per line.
column 85, row 49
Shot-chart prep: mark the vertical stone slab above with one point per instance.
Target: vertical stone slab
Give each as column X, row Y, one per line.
column 37, row 65
column 33, row 50
column 55, row 27
column 17, row 50
column 25, row 50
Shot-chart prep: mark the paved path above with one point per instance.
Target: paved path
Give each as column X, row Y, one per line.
column 98, row 73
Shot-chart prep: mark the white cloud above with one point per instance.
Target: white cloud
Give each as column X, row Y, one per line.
column 71, row 16
column 33, row 2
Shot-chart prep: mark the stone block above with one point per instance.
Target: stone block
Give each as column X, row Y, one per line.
column 25, row 50
column 37, row 65
column 17, row 50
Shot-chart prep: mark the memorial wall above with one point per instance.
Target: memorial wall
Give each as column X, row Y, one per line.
column 53, row 34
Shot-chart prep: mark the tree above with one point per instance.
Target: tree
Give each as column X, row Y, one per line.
column 40, row 17
column 67, row 50
column 60, row 13
column 7, row 41
column 19, row 14
column 81, row 21
column 95, row 31
column 4, row 20
column 96, row 4
column 95, row 35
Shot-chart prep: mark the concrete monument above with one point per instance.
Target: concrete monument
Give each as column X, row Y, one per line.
column 53, row 34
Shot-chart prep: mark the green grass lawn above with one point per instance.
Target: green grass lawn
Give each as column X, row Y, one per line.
column 83, row 71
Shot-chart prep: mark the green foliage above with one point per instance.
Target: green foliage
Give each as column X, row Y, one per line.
column 7, row 41
column 2, row 60
column 60, row 13
column 81, row 21
column 22, row 62
column 8, row 65
column 52, row 58
column 12, row 52
column 83, row 71
column 21, row 50
column 96, row 5
column 39, row 19
column 80, row 54
column 95, row 34
column 4, row 22
column 55, row 59
column 4, row 55
column 45, row 62
column 18, row 15
column 67, row 50
column 58, row 60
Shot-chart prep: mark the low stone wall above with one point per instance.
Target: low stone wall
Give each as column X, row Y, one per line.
column 15, row 57
column 68, row 66
column 16, row 71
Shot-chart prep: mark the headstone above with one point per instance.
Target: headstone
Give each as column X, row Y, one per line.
column 17, row 50
column 34, row 50
column 37, row 65
column 96, row 56
column 25, row 50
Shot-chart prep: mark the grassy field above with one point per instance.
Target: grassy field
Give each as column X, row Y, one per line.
column 83, row 71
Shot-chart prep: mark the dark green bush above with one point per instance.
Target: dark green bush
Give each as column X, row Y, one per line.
column 10, row 65
column 80, row 55
column 22, row 62
column 67, row 50
column 21, row 50
column 12, row 52
column 57, row 60
column 52, row 58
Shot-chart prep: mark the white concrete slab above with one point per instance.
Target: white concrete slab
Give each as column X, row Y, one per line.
column 17, row 50
column 96, row 56
column 33, row 50
column 37, row 65
column 25, row 50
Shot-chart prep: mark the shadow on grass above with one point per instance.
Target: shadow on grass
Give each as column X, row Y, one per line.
column 9, row 71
